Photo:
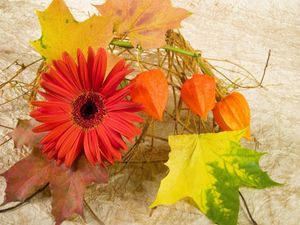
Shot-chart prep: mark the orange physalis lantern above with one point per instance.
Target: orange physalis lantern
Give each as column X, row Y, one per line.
column 199, row 94
column 150, row 89
column 233, row 113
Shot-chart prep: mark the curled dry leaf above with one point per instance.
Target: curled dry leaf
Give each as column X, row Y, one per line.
column 145, row 22
column 210, row 169
column 150, row 89
column 233, row 113
column 199, row 94
column 23, row 135
column 67, row 186
column 62, row 33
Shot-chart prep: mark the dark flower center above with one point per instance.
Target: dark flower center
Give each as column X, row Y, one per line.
column 88, row 110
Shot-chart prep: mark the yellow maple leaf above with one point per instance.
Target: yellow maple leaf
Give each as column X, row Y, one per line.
column 145, row 22
column 209, row 169
column 61, row 32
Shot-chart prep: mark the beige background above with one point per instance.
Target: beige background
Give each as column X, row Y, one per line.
column 242, row 31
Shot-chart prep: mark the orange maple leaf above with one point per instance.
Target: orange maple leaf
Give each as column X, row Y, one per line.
column 144, row 21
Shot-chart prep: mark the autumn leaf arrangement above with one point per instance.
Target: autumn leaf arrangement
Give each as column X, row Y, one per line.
column 102, row 83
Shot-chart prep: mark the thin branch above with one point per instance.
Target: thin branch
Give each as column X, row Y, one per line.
column 7, row 127
column 265, row 69
column 156, row 137
column 181, row 123
column 13, row 99
column 144, row 161
column 129, row 155
column 94, row 215
column 4, row 142
column 248, row 211
column 23, row 67
column 10, row 65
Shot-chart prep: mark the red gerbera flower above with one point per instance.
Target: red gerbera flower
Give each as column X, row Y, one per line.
column 85, row 112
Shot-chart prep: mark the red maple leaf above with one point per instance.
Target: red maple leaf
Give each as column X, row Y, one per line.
column 67, row 185
column 23, row 135
column 26, row 177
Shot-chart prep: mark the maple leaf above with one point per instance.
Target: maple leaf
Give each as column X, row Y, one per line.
column 67, row 186
column 61, row 32
column 150, row 89
column 210, row 169
column 145, row 22
column 26, row 177
column 23, row 135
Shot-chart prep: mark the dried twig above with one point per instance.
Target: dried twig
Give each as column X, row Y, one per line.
column 4, row 142
column 94, row 215
column 265, row 69
column 23, row 67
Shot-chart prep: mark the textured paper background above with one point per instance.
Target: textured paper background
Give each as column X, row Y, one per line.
column 242, row 31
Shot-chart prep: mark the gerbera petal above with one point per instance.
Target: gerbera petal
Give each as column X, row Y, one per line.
column 56, row 132
column 90, row 63
column 124, row 106
column 119, row 95
column 71, row 65
column 53, row 97
column 82, row 70
column 52, row 153
column 47, row 108
column 88, row 148
column 115, row 138
column 57, row 90
column 105, row 144
column 109, row 86
column 95, row 145
column 45, row 127
column 52, row 118
column 60, row 81
column 67, row 141
column 99, row 69
column 65, row 136
column 126, row 129
column 48, row 147
column 129, row 117
column 75, row 151
column 62, row 69
column 116, row 69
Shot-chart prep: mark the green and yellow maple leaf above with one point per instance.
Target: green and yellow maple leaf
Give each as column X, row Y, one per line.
column 210, row 169
column 145, row 22
column 61, row 32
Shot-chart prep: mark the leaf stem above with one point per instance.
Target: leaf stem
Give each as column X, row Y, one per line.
column 248, row 211
column 127, row 44
column 205, row 67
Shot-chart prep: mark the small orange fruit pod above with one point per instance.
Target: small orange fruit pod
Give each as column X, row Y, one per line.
column 233, row 113
column 199, row 94
column 150, row 89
